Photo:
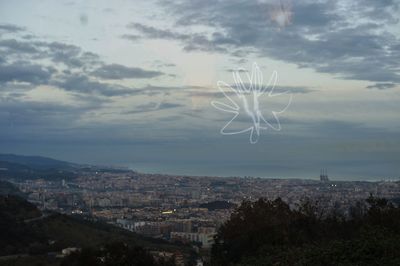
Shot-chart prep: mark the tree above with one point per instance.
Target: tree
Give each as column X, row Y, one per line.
column 114, row 254
column 268, row 232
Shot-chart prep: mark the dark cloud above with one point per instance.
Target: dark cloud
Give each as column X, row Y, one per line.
column 16, row 64
column 10, row 28
column 191, row 41
column 25, row 72
column 70, row 55
column 153, row 106
column 349, row 40
column 82, row 84
column 152, row 32
column 382, row 86
column 166, row 105
column 115, row 71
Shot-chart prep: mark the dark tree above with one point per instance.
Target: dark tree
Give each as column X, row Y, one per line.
column 268, row 232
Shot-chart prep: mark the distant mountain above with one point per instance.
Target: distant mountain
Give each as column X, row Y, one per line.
column 9, row 170
column 33, row 167
column 37, row 162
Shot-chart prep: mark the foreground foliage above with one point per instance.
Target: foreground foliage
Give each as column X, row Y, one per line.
column 268, row 232
column 114, row 254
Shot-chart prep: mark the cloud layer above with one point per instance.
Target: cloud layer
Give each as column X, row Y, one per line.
column 350, row 40
column 133, row 82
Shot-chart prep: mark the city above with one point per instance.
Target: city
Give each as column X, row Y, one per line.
column 185, row 208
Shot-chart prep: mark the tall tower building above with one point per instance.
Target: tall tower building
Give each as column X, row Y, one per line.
column 324, row 175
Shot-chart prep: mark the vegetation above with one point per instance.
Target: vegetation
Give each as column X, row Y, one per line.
column 9, row 170
column 114, row 254
column 219, row 204
column 36, row 162
column 268, row 232
column 69, row 231
column 28, row 236
column 17, row 236
column 6, row 188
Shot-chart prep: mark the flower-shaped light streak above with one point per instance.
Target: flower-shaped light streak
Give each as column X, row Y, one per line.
column 248, row 102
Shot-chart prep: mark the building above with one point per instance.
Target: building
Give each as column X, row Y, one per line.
column 206, row 240
column 324, row 175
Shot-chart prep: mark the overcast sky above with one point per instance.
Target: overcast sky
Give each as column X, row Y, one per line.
column 131, row 83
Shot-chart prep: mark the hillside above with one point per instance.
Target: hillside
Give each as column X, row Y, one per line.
column 74, row 231
column 22, row 167
column 36, row 162
column 28, row 232
column 6, row 188
column 11, row 170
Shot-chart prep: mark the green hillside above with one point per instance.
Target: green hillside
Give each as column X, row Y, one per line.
column 29, row 233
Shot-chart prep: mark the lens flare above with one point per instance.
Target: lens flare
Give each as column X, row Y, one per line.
column 281, row 14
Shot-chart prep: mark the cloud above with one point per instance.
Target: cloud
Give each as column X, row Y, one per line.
column 65, row 66
column 215, row 93
column 25, row 72
column 71, row 56
column 14, row 46
column 348, row 40
column 382, row 86
column 153, row 106
column 154, row 33
column 115, row 71
column 10, row 28
column 131, row 37
column 82, row 84
column 192, row 41
column 166, row 105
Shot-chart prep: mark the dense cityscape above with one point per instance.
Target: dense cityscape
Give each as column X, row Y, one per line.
column 185, row 208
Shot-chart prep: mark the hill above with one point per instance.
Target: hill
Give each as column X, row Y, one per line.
column 11, row 170
column 27, row 232
column 6, row 188
column 22, row 167
column 37, row 162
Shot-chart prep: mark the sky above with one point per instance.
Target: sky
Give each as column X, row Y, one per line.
column 263, row 88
